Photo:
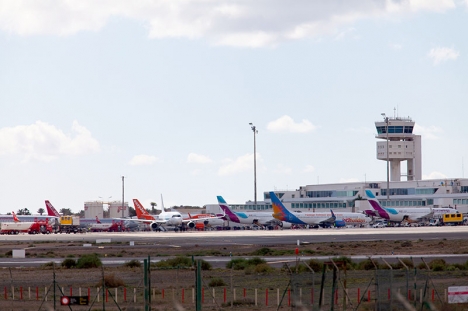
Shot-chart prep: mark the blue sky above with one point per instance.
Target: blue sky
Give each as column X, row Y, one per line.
column 163, row 92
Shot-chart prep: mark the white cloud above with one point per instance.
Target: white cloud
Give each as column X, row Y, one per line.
column 287, row 124
column 309, row 169
column 198, row 158
column 225, row 22
column 347, row 33
column 241, row 164
column 434, row 175
column 143, row 159
column 44, row 142
column 430, row 132
column 439, row 55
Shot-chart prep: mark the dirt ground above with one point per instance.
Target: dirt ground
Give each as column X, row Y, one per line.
column 142, row 250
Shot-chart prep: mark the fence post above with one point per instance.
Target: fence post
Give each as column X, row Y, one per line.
column 45, row 293
column 234, row 294
column 256, row 304
column 116, row 300
column 134, row 294
column 266, row 297
column 214, row 295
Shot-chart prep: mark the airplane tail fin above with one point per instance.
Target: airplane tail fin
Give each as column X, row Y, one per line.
column 226, row 210
column 374, row 203
column 337, row 222
column 279, row 210
column 97, row 220
column 15, row 218
column 51, row 211
column 140, row 210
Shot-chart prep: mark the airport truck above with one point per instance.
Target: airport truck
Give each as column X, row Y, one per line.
column 14, row 227
column 68, row 224
column 41, row 226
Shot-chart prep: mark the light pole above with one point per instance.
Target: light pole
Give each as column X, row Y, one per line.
column 255, row 132
column 123, row 199
column 388, row 182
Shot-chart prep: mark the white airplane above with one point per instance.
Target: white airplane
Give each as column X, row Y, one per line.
column 324, row 219
column 167, row 219
column 250, row 218
column 395, row 214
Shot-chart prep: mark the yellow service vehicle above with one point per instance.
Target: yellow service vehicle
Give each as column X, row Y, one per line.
column 68, row 224
column 452, row 219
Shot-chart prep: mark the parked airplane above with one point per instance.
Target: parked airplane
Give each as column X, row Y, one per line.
column 167, row 219
column 249, row 218
column 324, row 219
column 395, row 214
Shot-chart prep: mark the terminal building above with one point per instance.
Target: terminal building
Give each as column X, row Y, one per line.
column 396, row 144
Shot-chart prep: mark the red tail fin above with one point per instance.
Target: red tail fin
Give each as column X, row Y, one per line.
column 140, row 210
column 15, row 218
column 97, row 220
column 51, row 211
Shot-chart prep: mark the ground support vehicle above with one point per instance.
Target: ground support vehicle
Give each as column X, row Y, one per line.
column 14, row 227
column 68, row 224
column 40, row 227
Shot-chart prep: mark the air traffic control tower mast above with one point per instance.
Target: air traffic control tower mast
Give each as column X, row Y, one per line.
column 403, row 145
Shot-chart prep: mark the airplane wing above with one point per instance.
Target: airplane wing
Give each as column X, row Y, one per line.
column 329, row 221
column 148, row 221
column 187, row 220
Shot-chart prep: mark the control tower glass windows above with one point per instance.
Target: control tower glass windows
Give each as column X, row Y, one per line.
column 394, row 129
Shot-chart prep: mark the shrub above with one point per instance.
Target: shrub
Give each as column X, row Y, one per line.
column 437, row 264
column 406, row 244
column 237, row 264
column 315, row 265
column 48, row 265
column 133, row 264
column 264, row 251
column 88, row 261
column 111, row 281
column 216, row 282
column 366, row 265
column 69, row 263
column 255, row 261
column 263, row 268
column 205, row 265
column 176, row 262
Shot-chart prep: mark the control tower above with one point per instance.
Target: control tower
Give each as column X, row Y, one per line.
column 399, row 144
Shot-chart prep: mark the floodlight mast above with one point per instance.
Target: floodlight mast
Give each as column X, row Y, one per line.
column 388, row 182
column 255, row 131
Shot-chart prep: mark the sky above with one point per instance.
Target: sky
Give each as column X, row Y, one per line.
column 162, row 93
